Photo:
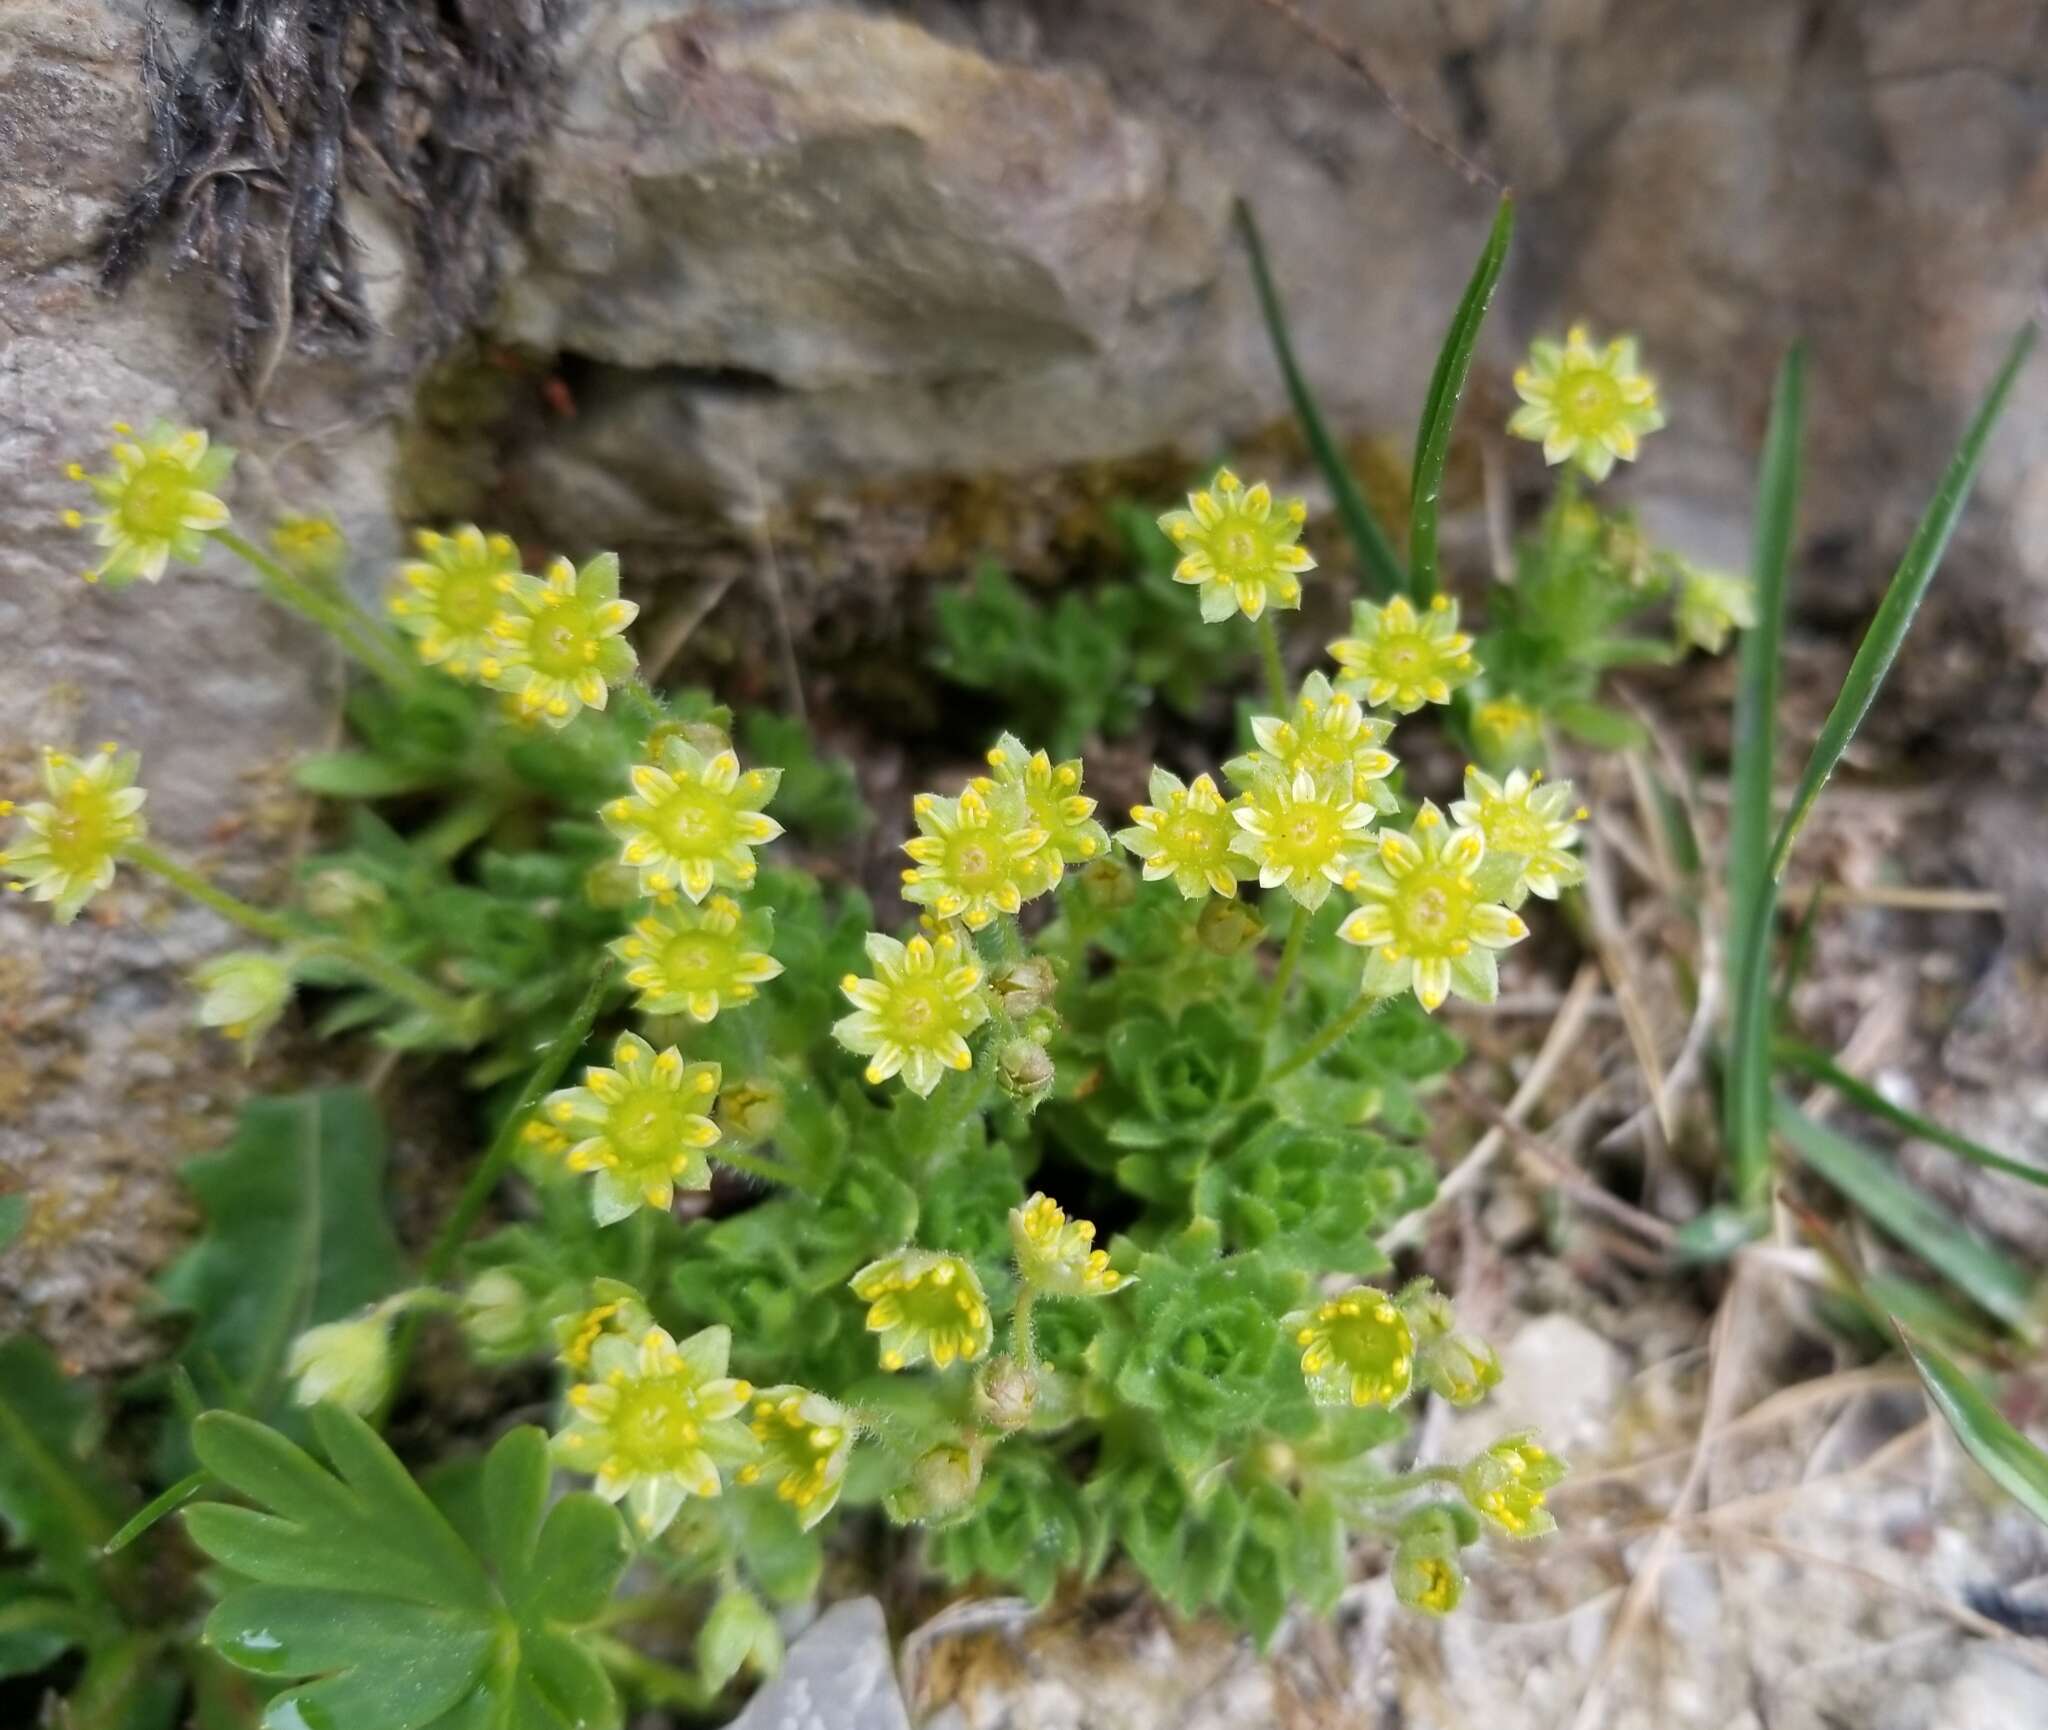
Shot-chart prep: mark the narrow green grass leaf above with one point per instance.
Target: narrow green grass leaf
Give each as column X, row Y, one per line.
column 2016, row 1465
column 1376, row 558
column 1751, row 889
column 1866, row 1098
column 1922, row 1225
column 1880, row 645
column 1440, row 410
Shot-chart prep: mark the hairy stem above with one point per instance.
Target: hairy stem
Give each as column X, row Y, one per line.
column 254, row 920
column 1283, row 975
column 341, row 619
column 1276, row 670
column 1360, row 1007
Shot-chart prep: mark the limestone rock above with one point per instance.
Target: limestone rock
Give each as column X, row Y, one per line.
column 840, row 1675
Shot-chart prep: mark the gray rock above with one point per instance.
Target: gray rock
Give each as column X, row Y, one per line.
column 840, row 1675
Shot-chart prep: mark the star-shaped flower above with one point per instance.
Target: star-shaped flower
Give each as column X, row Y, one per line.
column 1187, row 834
column 447, row 599
column 1238, row 546
column 1528, row 825
column 1329, row 734
column 805, row 1442
column 159, row 501
column 1058, row 1255
column 1304, row 834
column 561, row 645
column 924, row 1304
column 696, row 960
column 973, row 855
column 73, row 837
column 912, row 1019
column 693, row 821
column 1053, row 803
column 642, row 1126
column 1585, row 405
column 1356, row 1349
column 1401, row 658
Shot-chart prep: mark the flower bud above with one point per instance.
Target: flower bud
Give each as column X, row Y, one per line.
column 346, row 1363
column 1459, row 1367
column 942, row 1483
column 611, row 886
column 1108, row 884
column 1024, row 1071
column 751, row 1111
column 311, row 546
column 497, row 1316
column 1006, row 1394
column 341, row 894
column 1427, row 1575
column 243, row 994
column 738, row 1634
column 1024, row 987
column 1506, row 1486
column 1227, row 927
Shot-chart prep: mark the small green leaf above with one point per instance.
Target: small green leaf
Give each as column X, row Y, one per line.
column 54, row 1497
column 1440, row 409
column 1376, row 560
column 1925, row 1227
column 357, row 775
column 295, row 1234
column 1597, row 724
column 2015, row 1464
column 353, row 1583
column 1752, row 892
column 1902, row 598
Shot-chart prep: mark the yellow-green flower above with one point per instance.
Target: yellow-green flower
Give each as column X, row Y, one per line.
column 243, row 994
column 1585, row 405
column 1053, row 803
column 312, row 545
column 1305, row 835
column 1187, row 834
column 1058, row 1255
column 1710, row 605
column 560, row 646
column 1507, row 728
column 657, row 1421
column 1239, row 547
column 912, row 1019
column 1528, row 826
column 160, row 501
column 344, row 1363
column 640, row 1125
column 1506, row 1485
column 619, row 1310
column 447, row 600
column 1424, row 920
column 805, row 1440
column 974, row 855
column 1356, row 1349
column 924, row 1304
column 692, row 821
column 696, row 960
column 1331, row 736
column 72, row 839
column 1401, row 658
column 1427, row 1576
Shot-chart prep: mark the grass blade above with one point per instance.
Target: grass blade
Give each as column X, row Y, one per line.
column 2015, row 1464
column 1880, row 645
column 1375, row 553
column 1440, row 411
column 1752, row 892
column 1930, row 1231
column 1864, row 1097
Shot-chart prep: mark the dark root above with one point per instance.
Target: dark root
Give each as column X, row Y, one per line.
column 432, row 103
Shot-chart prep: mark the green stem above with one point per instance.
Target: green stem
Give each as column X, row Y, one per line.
column 469, row 1205
column 341, row 619
column 1276, row 670
column 1022, row 1347
column 270, row 926
column 388, row 976
column 169, row 1502
column 1361, row 1006
column 1283, row 975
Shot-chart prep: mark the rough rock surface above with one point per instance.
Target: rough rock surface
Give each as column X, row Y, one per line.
column 840, row 1675
column 104, row 1084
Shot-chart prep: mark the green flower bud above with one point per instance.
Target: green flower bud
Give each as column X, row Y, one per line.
column 243, row 994
column 1024, row 987
column 612, row 886
column 1227, row 927
column 1108, row 884
column 943, row 1482
column 498, row 1316
column 1024, row 1071
column 342, row 895
column 750, row 1111
column 738, row 1634
column 1006, row 1394
column 1459, row 1367
column 1427, row 1576
column 1506, row 1485
column 345, row 1363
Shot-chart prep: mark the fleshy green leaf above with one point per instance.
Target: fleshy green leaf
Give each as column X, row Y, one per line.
column 1376, row 560
column 353, row 1583
column 295, row 1234
column 1440, row 408
column 1902, row 598
column 2015, row 1464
